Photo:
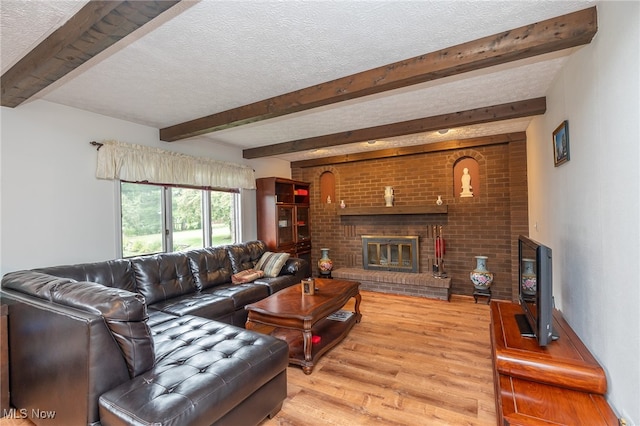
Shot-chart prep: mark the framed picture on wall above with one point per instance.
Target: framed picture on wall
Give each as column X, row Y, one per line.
column 561, row 144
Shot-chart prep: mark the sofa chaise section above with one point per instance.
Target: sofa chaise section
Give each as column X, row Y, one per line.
column 204, row 370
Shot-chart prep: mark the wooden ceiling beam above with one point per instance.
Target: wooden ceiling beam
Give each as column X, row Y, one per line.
column 414, row 149
column 527, row 108
column 98, row 25
column 574, row 29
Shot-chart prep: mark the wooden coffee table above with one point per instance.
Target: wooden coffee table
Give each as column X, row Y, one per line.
column 301, row 319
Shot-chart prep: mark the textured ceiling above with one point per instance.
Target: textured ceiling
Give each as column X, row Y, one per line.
column 204, row 57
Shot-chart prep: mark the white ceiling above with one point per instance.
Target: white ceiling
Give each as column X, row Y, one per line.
column 200, row 58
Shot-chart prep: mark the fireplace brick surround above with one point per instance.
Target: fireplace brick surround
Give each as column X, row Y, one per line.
column 488, row 224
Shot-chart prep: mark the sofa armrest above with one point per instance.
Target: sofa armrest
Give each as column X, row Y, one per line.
column 293, row 271
column 124, row 312
column 62, row 359
column 294, row 266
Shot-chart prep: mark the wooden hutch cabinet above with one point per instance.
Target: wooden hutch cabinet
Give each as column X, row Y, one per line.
column 283, row 216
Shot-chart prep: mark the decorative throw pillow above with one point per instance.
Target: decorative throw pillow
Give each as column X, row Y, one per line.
column 246, row 276
column 271, row 263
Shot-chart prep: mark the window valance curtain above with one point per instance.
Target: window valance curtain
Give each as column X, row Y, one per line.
column 138, row 163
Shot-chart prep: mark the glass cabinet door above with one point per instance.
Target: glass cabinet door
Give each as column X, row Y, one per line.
column 302, row 222
column 285, row 225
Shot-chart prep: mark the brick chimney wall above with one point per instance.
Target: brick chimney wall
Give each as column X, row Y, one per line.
column 487, row 224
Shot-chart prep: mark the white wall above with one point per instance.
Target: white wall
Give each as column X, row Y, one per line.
column 53, row 209
column 271, row 167
column 587, row 210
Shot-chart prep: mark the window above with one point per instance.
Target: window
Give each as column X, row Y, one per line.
column 157, row 219
column 187, row 219
column 142, row 219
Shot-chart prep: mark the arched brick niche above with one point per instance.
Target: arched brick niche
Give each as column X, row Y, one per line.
column 327, row 187
column 466, row 166
column 475, row 163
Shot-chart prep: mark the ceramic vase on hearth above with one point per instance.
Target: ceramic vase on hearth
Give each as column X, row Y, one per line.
column 481, row 277
column 325, row 264
column 528, row 280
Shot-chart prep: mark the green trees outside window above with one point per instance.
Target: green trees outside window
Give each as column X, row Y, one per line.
column 197, row 218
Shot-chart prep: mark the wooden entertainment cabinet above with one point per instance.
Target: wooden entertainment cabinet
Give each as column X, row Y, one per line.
column 560, row 384
column 283, row 216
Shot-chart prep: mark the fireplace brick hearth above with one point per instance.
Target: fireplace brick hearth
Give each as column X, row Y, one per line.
column 407, row 283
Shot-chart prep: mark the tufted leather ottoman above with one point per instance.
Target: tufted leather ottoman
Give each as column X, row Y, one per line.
column 206, row 372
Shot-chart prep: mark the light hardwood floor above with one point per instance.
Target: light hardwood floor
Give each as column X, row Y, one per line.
column 411, row 361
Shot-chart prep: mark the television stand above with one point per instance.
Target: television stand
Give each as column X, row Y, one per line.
column 523, row 326
column 560, row 383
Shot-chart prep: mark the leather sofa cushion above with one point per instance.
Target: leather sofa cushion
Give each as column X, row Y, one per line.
column 112, row 303
column 211, row 306
column 157, row 317
column 210, row 266
column 113, row 273
column 241, row 294
column 204, row 369
column 276, row 284
column 163, row 276
column 246, row 255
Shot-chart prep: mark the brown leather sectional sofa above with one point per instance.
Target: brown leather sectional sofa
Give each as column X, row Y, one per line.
column 148, row 340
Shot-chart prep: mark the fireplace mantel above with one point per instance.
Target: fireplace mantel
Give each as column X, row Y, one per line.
column 375, row 211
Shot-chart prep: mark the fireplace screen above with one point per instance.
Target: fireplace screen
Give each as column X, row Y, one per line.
column 390, row 253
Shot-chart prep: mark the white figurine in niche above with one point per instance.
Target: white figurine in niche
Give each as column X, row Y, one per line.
column 466, row 184
column 388, row 196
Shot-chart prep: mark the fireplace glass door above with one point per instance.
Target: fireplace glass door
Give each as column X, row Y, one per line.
column 390, row 253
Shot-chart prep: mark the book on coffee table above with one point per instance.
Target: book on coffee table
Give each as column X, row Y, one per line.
column 340, row 315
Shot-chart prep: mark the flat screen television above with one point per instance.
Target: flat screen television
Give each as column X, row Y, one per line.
column 535, row 291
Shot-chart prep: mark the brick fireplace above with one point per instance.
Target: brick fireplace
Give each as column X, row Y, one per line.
column 488, row 224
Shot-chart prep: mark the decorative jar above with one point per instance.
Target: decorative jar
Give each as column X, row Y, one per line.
column 325, row 265
column 528, row 280
column 480, row 277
